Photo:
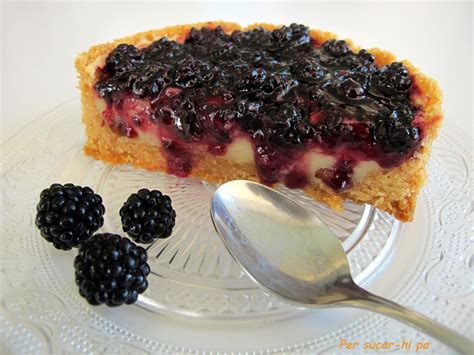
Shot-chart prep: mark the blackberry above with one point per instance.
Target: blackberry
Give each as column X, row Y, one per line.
column 366, row 58
column 237, row 36
column 199, row 36
column 284, row 83
column 254, row 80
column 308, row 70
column 352, row 89
column 282, row 34
column 268, row 162
column 179, row 112
column 300, row 33
column 394, row 132
column 339, row 178
column 401, row 139
column 287, row 126
column 149, row 80
column 248, row 114
column 392, row 80
column 147, row 215
column 220, row 34
column 225, row 51
column 106, row 88
column 347, row 61
column 361, row 74
column 296, row 34
column 336, row 48
column 123, row 59
column 163, row 50
column 193, row 72
column 112, row 270
column 68, row 215
column 255, row 38
column 218, row 123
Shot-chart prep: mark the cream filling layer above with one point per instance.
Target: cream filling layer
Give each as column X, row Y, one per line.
column 240, row 151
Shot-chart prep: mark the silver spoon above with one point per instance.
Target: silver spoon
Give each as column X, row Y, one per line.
column 294, row 255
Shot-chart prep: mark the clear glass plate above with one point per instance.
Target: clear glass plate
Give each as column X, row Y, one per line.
column 199, row 300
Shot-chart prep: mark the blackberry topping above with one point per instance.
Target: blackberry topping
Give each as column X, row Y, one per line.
column 286, row 125
column 254, row 80
column 392, row 80
column 111, row 270
column 336, row 48
column 225, row 51
column 147, row 215
column 295, row 35
column 162, row 50
column 308, row 70
column 150, row 80
column 366, row 58
column 205, row 36
column 68, row 215
column 123, row 59
column 217, row 86
column 339, row 178
column 394, row 134
column 249, row 114
column 193, row 72
column 352, row 89
column 362, row 74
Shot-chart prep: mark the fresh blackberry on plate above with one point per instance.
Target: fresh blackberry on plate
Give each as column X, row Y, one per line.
column 68, row 215
column 147, row 215
column 111, row 269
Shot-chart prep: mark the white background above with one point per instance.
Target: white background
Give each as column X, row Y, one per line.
column 41, row 40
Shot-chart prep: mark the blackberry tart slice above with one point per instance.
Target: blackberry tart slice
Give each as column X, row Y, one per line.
column 266, row 103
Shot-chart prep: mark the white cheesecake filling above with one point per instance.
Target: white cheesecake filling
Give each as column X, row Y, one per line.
column 241, row 151
column 363, row 169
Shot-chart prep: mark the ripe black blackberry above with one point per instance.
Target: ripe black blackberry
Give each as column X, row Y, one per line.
column 287, row 127
column 393, row 79
column 147, row 215
column 308, row 70
column 253, row 80
column 352, row 89
column 193, row 72
column 336, row 47
column 111, row 269
column 68, row 215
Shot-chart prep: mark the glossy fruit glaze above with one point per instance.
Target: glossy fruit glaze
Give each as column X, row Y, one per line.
column 281, row 90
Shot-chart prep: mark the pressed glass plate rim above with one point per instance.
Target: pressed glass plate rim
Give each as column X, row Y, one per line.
column 12, row 141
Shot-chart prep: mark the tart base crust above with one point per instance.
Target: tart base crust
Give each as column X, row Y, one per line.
column 391, row 190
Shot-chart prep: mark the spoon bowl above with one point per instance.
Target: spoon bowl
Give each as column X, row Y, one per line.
column 304, row 263
column 291, row 253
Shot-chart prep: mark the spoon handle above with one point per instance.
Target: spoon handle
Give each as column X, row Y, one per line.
column 381, row 305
